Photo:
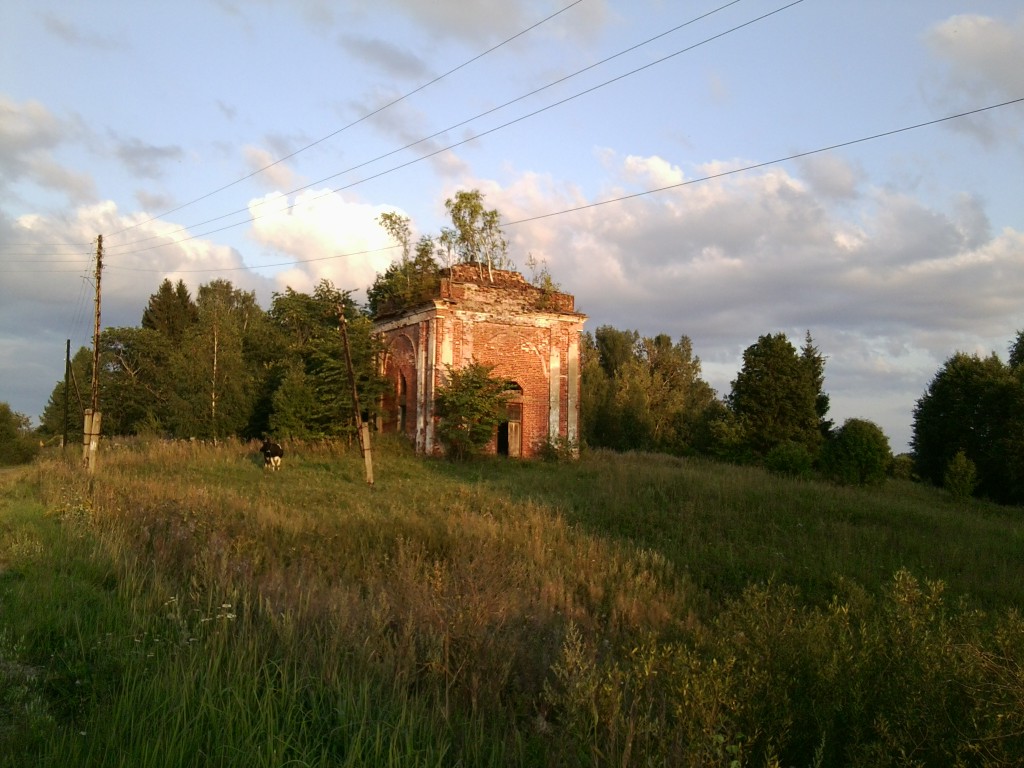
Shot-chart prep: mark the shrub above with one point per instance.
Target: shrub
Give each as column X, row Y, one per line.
column 558, row 450
column 470, row 407
column 790, row 458
column 902, row 467
column 961, row 477
column 21, row 447
column 858, row 454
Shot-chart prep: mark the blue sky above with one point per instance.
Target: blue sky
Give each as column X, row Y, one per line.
column 150, row 124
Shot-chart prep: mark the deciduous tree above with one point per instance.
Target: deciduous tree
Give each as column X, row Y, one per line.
column 52, row 420
column 314, row 397
column 476, row 233
column 974, row 405
column 470, row 406
column 857, row 454
column 20, row 447
column 139, row 371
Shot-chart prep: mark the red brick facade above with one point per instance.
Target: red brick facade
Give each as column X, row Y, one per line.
column 528, row 335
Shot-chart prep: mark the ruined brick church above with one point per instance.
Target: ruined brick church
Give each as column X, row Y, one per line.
column 529, row 335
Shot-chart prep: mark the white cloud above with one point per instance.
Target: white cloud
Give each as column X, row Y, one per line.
column 47, row 290
column 982, row 51
column 270, row 172
column 830, row 175
column 335, row 239
column 480, row 20
column 651, row 172
column 983, row 59
column 888, row 286
column 29, row 134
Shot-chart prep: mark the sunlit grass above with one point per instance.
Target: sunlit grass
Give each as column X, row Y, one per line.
column 187, row 607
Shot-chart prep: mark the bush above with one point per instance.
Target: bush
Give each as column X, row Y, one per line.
column 904, row 678
column 470, row 406
column 902, row 467
column 858, row 454
column 961, row 477
column 791, row 459
column 15, row 433
column 558, row 450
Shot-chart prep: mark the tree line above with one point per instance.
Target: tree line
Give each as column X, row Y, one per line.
column 219, row 365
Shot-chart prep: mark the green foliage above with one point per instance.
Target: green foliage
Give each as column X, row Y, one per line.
column 1016, row 358
column 975, row 405
column 857, row 454
column 615, row 348
column 902, row 467
column 315, row 394
column 470, row 406
column 406, row 283
column 19, row 445
column 52, row 421
column 625, row 610
column 814, row 361
column 790, row 459
column 139, row 366
column 642, row 394
column 171, row 311
column 903, row 679
column 294, row 402
column 540, row 275
column 960, row 477
column 475, row 236
column 727, row 437
column 558, row 450
column 233, row 370
column 776, row 396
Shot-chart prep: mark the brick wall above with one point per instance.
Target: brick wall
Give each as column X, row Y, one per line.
column 526, row 334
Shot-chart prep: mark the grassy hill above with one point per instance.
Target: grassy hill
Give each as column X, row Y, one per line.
column 185, row 607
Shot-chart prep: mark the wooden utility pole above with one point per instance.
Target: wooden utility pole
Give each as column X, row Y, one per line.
column 362, row 427
column 67, row 394
column 91, row 433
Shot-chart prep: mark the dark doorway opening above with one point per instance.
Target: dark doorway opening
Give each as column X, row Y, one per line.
column 510, row 431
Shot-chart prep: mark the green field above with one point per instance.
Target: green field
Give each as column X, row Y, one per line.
column 185, row 607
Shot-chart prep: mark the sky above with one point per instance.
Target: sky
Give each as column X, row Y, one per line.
column 710, row 169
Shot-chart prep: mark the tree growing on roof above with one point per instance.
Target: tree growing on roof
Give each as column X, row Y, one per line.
column 413, row 278
column 476, row 234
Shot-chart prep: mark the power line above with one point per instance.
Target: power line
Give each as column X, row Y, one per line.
column 43, row 261
column 355, row 122
column 656, row 190
column 755, row 166
column 480, row 135
column 261, row 266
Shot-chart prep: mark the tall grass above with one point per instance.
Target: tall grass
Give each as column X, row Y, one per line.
column 185, row 607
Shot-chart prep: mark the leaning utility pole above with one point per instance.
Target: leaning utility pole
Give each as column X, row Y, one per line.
column 91, row 433
column 361, row 426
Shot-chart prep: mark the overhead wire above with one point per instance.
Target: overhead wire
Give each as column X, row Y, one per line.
column 460, row 124
column 656, row 190
column 368, row 115
column 78, row 315
column 755, row 166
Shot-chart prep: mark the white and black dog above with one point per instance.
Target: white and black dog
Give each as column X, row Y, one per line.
column 272, row 455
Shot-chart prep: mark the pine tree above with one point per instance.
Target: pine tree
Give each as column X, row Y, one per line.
column 171, row 311
column 775, row 397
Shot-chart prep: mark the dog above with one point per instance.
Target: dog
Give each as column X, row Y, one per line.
column 272, row 455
